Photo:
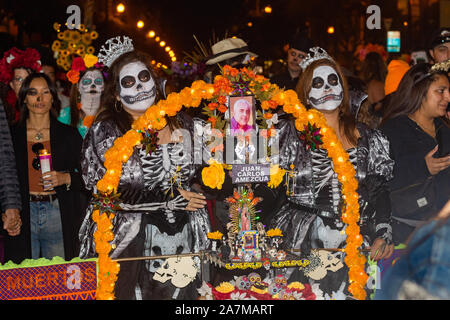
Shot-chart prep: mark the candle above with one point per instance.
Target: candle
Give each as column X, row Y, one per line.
column 45, row 159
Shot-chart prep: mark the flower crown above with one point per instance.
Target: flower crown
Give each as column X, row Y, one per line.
column 80, row 64
column 363, row 50
column 314, row 54
column 443, row 66
column 16, row 58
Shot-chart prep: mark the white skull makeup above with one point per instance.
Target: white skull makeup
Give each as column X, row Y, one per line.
column 137, row 87
column 326, row 92
column 91, row 86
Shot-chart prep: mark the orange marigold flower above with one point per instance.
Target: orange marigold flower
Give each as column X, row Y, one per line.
column 213, row 106
column 222, row 108
column 268, row 115
column 73, row 76
column 222, row 100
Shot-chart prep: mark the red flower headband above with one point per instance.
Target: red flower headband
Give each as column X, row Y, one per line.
column 80, row 64
column 16, row 58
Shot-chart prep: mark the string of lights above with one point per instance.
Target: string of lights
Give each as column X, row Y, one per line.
column 152, row 35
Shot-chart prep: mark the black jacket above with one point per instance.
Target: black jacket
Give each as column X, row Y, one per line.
column 9, row 185
column 409, row 145
column 284, row 80
column 65, row 143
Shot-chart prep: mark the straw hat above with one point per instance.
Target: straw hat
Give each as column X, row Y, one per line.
column 228, row 48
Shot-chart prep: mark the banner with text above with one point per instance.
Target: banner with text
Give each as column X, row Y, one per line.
column 42, row 280
column 250, row 173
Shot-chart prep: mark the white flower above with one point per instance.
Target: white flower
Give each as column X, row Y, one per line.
column 241, row 296
column 319, row 293
column 273, row 120
column 10, row 58
column 205, row 290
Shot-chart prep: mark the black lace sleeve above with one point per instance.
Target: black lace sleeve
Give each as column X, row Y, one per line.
column 98, row 140
column 379, row 173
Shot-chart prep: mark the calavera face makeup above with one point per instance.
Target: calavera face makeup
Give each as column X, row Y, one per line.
column 91, row 86
column 327, row 92
column 137, row 87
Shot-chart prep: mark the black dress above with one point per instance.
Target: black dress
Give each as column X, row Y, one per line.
column 409, row 146
column 152, row 221
column 311, row 218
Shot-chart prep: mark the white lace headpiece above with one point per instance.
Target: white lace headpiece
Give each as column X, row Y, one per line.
column 314, row 54
column 114, row 48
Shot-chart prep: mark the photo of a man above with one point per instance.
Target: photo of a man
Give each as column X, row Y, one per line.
column 242, row 114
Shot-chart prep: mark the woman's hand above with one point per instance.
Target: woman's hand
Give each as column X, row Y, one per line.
column 196, row 200
column 53, row 179
column 381, row 250
column 12, row 222
column 436, row 165
column 444, row 213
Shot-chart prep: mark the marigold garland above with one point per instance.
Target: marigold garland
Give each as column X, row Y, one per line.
column 271, row 97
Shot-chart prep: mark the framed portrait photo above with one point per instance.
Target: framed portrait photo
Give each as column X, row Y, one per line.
column 242, row 114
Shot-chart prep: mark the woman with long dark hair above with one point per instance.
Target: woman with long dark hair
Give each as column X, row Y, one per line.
column 420, row 138
column 160, row 213
column 51, row 210
column 373, row 73
column 311, row 218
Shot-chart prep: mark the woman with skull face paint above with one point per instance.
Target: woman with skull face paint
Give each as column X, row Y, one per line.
column 160, row 214
column 85, row 97
column 311, row 218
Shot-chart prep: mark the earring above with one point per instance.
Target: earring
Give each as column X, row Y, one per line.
column 118, row 109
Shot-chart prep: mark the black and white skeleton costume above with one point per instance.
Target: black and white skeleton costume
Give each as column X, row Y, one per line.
column 311, row 218
column 152, row 220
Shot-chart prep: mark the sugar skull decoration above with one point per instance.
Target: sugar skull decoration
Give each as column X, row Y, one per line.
column 243, row 283
column 281, row 280
column 137, row 86
column 285, row 294
column 254, row 278
column 266, row 263
column 274, row 288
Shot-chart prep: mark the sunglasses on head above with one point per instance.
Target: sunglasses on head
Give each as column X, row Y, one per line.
column 36, row 148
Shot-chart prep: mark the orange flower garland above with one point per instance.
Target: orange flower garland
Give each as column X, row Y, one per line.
column 108, row 269
column 154, row 117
